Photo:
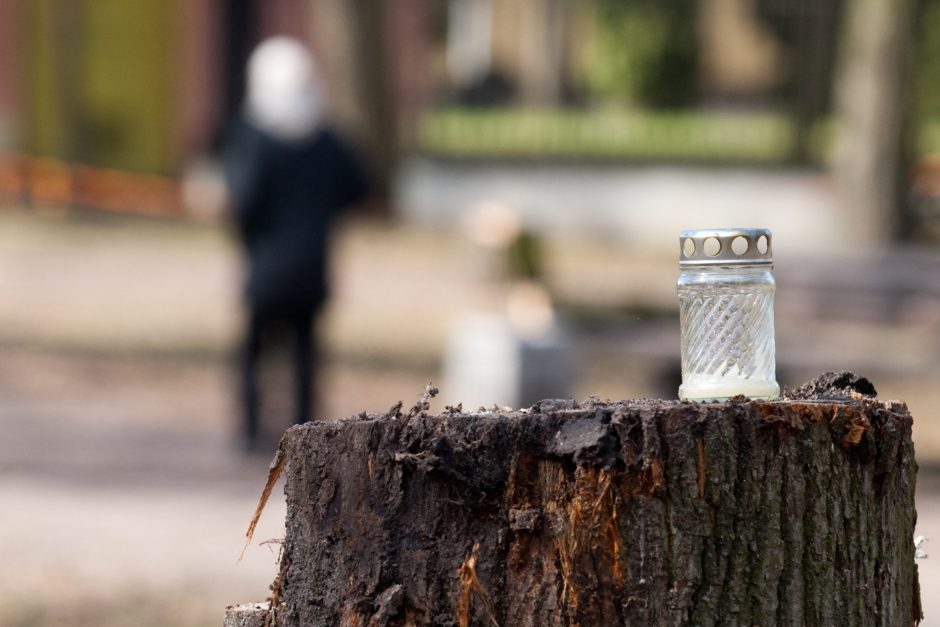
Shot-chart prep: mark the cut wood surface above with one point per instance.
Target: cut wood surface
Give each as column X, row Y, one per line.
column 792, row 512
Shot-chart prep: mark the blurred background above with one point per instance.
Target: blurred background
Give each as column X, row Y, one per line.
column 536, row 162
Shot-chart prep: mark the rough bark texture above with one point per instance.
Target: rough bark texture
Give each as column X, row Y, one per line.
column 797, row 512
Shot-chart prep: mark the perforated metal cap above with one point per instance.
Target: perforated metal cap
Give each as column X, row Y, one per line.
column 724, row 247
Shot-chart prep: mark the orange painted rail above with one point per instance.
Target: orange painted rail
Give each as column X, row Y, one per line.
column 51, row 183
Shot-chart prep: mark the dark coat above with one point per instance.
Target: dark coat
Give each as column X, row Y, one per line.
column 286, row 196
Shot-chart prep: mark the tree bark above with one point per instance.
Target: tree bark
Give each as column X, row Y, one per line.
column 795, row 512
column 874, row 149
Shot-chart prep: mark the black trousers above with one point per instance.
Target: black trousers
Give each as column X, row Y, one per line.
column 260, row 328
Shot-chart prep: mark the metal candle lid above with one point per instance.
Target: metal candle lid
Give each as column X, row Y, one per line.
column 725, row 247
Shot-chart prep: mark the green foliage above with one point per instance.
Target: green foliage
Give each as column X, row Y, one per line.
column 689, row 135
column 128, row 61
column 642, row 52
column 117, row 66
column 525, row 257
column 928, row 63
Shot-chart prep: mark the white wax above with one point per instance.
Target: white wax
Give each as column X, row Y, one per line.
column 721, row 388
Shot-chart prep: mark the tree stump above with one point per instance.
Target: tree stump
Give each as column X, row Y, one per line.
column 793, row 512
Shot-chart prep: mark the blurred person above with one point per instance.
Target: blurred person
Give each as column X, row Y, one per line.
column 289, row 175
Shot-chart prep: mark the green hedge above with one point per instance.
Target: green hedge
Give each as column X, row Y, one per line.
column 701, row 136
column 764, row 137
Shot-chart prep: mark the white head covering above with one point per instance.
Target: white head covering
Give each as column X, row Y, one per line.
column 285, row 95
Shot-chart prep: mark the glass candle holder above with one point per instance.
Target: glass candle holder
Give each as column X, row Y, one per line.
column 726, row 313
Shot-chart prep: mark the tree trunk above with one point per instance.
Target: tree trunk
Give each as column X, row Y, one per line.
column 797, row 512
column 352, row 39
column 814, row 30
column 873, row 104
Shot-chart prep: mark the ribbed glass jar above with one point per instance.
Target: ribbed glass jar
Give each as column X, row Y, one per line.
column 726, row 313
